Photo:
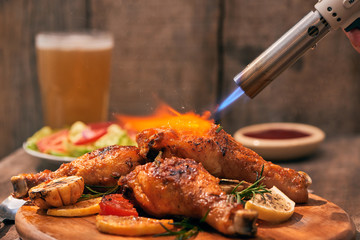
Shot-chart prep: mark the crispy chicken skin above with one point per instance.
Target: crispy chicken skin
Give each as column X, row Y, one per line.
column 101, row 167
column 176, row 186
column 223, row 157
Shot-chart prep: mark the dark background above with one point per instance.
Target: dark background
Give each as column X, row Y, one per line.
column 186, row 53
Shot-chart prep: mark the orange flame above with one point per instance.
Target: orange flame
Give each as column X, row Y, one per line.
column 165, row 116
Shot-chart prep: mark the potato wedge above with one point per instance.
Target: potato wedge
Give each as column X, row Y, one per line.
column 79, row 209
column 131, row 226
column 57, row 192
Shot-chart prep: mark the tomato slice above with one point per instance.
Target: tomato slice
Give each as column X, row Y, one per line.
column 116, row 204
column 54, row 142
column 93, row 132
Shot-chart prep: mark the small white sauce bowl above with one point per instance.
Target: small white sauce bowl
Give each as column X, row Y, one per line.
column 281, row 149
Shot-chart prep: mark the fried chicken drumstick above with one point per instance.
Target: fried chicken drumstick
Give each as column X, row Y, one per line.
column 176, row 186
column 218, row 152
column 223, row 157
column 101, row 167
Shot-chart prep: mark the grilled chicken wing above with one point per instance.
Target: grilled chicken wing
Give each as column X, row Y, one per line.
column 223, row 157
column 101, row 167
column 176, row 186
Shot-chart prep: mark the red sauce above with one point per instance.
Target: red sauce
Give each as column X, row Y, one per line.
column 277, row 134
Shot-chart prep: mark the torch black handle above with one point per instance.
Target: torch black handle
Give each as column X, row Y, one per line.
column 355, row 24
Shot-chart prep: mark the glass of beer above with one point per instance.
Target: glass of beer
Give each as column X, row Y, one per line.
column 74, row 75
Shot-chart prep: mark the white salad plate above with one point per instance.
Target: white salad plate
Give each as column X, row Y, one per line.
column 47, row 157
column 281, row 149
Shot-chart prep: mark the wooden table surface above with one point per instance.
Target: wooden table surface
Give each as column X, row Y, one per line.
column 334, row 169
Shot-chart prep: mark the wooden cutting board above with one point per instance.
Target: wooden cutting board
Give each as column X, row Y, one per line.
column 318, row 219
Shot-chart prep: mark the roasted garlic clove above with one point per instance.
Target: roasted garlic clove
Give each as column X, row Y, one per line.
column 58, row 192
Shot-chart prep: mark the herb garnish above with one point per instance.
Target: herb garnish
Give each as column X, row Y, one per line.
column 188, row 228
column 249, row 192
column 219, row 129
column 95, row 194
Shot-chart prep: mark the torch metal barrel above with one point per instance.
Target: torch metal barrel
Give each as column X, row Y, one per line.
column 282, row 54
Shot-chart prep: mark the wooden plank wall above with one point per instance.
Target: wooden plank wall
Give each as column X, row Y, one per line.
column 184, row 52
column 20, row 20
column 164, row 49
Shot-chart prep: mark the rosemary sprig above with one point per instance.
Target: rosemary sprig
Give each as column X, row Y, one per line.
column 187, row 228
column 115, row 177
column 219, row 129
column 256, row 188
column 95, row 194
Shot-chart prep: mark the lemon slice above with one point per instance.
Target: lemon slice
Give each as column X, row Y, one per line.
column 82, row 208
column 274, row 207
column 131, row 226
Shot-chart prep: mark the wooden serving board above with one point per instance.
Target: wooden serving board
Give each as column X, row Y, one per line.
column 318, row 219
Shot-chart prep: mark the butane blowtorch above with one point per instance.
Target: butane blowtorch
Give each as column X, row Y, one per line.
column 328, row 15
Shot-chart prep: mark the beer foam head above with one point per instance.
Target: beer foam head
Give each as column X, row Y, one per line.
column 72, row 41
